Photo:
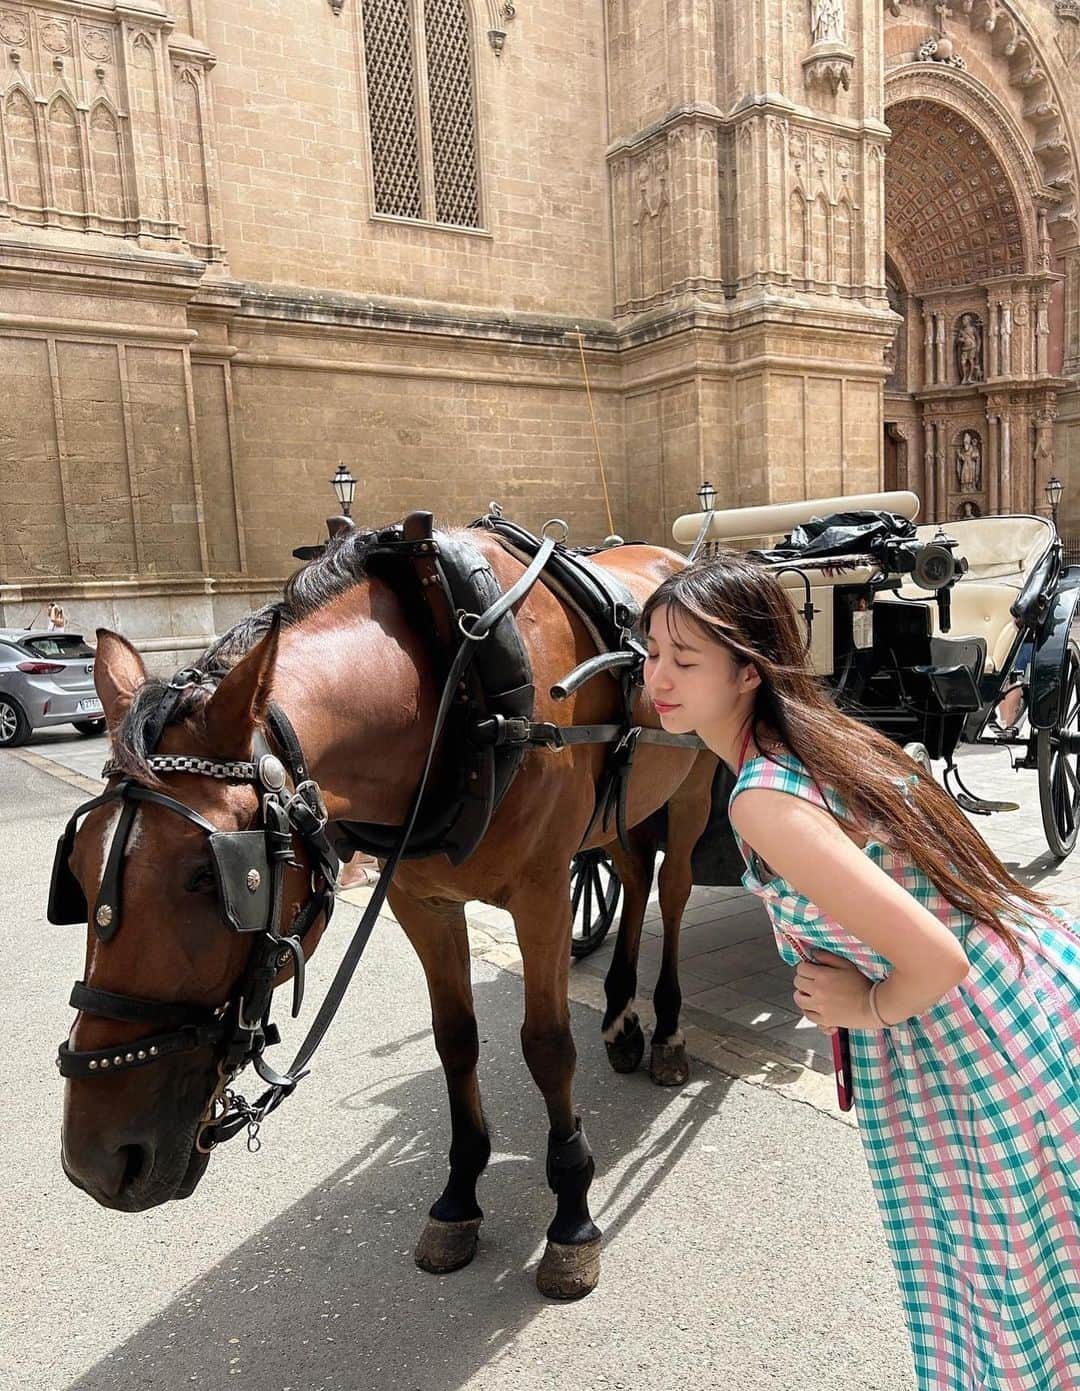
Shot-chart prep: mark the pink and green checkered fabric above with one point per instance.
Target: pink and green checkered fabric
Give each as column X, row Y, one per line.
column 970, row 1118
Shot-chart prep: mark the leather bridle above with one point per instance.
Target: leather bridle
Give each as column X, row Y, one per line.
column 249, row 871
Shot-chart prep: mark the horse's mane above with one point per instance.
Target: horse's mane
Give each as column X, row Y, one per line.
column 341, row 567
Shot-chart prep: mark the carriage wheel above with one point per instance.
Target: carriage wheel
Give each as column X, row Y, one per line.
column 595, row 890
column 1059, row 766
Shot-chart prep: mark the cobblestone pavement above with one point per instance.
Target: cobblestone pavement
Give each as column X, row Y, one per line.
column 734, row 984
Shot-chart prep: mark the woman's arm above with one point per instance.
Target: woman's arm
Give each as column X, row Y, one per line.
column 808, row 847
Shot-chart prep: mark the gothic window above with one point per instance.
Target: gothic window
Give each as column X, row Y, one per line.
column 418, row 57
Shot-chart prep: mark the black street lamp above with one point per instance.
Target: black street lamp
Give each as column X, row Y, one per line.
column 344, row 485
column 1054, row 489
column 707, row 497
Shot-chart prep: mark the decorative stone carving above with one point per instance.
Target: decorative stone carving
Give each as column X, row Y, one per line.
column 829, row 61
column 967, row 510
column 14, row 28
column 826, row 21
column 499, row 13
column 968, row 348
column 55, row 37
column 968, row 458
column 97, row 45
column 939, row 48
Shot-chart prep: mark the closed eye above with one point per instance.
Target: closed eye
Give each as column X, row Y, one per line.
column 200, row 881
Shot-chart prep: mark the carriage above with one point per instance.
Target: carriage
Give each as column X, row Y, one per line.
column 923, row 637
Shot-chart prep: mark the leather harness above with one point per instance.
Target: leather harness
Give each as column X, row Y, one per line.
column 487, row 697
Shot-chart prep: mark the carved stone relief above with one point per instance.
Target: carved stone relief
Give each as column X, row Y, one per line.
column 968, row 349
column 967, row 456
column 829, row 60
column 91, row 144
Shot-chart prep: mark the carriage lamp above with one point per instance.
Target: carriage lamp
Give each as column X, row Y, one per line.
column 1054, row 489
column 344, row 485
column 707, row 497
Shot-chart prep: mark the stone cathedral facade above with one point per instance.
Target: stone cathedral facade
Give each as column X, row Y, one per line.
column 473, row 248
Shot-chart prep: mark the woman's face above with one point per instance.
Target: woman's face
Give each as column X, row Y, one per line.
column 694, row 681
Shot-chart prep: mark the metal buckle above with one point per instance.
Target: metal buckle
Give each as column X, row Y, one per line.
column 463, row 614
column 552, row 522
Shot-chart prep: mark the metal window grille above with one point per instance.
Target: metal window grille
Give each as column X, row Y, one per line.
column 391, row 83
column 1071, row 550
column 422, row 110
column 453, row 120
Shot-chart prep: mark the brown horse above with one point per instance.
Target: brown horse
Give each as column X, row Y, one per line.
column 351, row 673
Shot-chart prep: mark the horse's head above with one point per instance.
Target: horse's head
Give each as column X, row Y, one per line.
column 186, row 918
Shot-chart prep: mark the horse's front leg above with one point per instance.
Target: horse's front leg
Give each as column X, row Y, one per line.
column 688, row 815
column 622, row 1031
column 571, row 1264
column 436, row 928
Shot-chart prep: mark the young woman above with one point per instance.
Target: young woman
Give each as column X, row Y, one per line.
column 961, row 986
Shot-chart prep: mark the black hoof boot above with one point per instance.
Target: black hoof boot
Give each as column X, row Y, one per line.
column 570, row 1268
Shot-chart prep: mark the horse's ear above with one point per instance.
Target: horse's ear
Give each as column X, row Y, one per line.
column 118, row 674
column 240, row 702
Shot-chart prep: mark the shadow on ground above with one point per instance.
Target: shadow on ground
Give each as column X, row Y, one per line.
column 327, row 1295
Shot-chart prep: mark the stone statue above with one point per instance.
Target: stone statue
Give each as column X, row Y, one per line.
column 827, row 20
column 968, row 509
column 969, row 462
column 969, row 349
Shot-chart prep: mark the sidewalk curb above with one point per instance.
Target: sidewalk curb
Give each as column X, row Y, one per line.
column 56, row 770
column 750, row 1062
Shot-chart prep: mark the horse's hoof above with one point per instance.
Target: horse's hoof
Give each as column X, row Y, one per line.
column 668, row 1065
column 446, row 1246
column 626, row 1049
column 569, row 1272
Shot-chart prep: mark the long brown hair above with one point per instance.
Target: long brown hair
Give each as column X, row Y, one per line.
column 740, row 605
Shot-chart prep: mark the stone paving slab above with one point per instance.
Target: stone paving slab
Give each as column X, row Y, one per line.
column 733, row 981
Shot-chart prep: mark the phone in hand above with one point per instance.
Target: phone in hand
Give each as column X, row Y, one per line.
column 841, row 1052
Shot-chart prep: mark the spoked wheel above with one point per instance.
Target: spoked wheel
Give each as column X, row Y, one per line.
column 595, row 890
column 1059, row 765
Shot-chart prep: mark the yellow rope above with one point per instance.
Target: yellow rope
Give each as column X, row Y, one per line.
column 596, row 433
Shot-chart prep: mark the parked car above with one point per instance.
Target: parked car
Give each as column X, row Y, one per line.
column 46, row 678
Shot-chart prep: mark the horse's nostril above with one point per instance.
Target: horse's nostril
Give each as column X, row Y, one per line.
column 135, row 1159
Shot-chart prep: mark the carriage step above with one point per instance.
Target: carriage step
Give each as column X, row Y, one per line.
column 979, row 806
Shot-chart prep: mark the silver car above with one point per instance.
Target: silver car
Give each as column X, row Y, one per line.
column 46, row 678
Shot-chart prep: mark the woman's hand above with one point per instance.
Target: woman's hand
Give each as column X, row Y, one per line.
column 833, row 994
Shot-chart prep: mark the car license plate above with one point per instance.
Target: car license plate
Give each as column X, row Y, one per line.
column 89, row 706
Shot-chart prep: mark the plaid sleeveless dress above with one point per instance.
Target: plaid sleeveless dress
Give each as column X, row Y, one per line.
column 970, row 1118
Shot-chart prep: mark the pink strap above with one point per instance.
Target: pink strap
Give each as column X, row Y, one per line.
column 745, row 746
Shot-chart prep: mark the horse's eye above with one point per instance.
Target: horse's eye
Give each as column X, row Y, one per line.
column 200, row 880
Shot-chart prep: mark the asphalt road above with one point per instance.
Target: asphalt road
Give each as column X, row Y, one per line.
column 743, row 1249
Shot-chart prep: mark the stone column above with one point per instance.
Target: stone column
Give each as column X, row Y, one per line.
column 1005, row 468
column 993, row 462
column 940, row 348
column 1006, row 351
column 941, row 477
column 1043, row 456
column 928, row 348
column 1042, row 332
column 993, row 367
column 1071, row 364
column 929, row 457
